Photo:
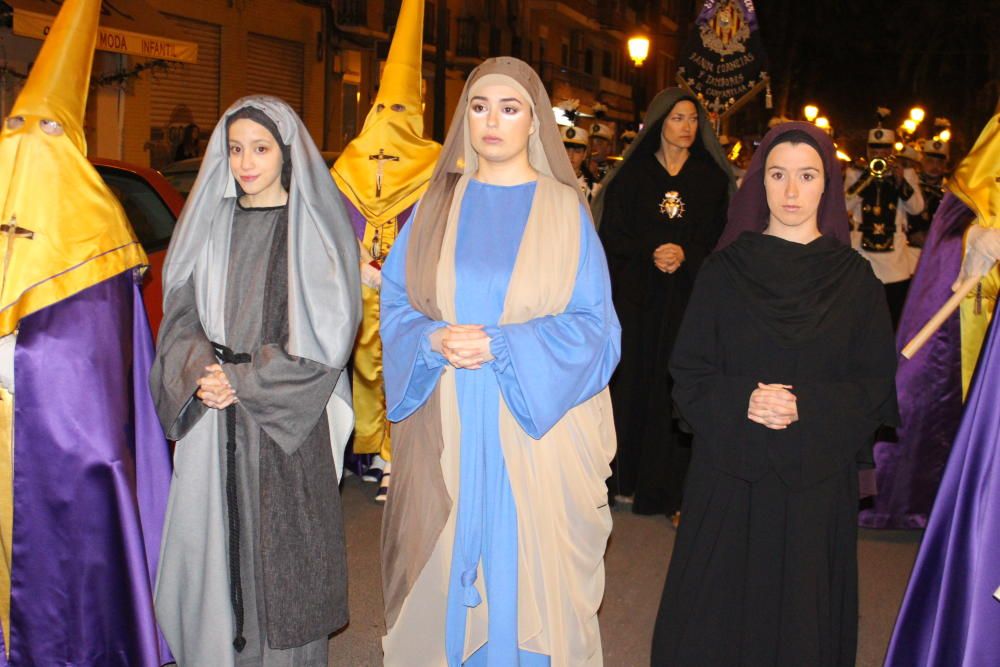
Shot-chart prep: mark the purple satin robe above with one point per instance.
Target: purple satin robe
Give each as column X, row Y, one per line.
column 91, row 476
column 949, row 614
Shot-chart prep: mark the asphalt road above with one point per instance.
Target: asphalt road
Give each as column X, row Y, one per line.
column 636, row 562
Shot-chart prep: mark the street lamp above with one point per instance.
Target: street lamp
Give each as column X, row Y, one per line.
column 917, row 115
column 910, row 125
column 945, row 135
column 810, row 112
column 638, row 49
column 823, row 123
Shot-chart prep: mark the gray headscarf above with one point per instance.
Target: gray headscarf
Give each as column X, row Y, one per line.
column 324, row 292
column 648, row 141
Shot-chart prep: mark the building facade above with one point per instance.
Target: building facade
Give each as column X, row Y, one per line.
column 325, row 56
column 578, row 48
column 138, row 115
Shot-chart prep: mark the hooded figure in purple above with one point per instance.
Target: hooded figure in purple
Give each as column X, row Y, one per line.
column 951, row 611
column 84, row 465
column 908, row 466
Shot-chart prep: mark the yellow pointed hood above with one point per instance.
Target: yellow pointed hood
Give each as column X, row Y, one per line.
column 394, row 127
column 61, row 228
column 977, row 179
column 60, row 78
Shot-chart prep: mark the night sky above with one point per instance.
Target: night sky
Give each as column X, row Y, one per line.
column 850, row 56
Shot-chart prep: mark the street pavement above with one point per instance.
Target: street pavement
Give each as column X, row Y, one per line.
column 637, row 560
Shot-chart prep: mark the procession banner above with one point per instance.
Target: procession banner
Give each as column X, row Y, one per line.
column 724, row 64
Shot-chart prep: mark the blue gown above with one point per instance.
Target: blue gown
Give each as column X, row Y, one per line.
column 568, row 358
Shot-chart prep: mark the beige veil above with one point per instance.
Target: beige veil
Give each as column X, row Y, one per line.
column 558, row 480
column 545, row 152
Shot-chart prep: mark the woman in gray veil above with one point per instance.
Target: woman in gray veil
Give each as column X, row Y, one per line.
column 261, row 305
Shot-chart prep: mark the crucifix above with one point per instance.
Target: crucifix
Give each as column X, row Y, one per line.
column 381, row 157
column 9, row 232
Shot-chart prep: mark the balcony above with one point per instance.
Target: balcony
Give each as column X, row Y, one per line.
column 467, row 44
column 613, row 87
column 551, row 72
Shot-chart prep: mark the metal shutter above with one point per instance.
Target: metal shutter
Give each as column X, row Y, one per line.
column 276, row 68
column 190, row 92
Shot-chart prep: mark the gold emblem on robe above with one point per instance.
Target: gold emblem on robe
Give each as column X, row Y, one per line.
column 672, row 205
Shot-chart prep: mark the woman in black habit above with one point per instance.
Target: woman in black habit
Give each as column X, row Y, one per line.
column 660, row 213
column 784, row 368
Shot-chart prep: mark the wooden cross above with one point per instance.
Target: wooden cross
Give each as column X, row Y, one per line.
column 9, row 232
column 381, row 157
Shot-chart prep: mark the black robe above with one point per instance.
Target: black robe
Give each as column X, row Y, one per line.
column 652, row 453
column 764, row 571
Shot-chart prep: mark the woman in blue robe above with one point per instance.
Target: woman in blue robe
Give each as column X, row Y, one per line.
column 496, row 366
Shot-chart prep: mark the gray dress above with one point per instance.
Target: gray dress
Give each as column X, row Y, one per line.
column 284, row 466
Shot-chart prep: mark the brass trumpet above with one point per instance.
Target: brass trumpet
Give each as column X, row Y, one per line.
column 878, row 169
column 878, row 166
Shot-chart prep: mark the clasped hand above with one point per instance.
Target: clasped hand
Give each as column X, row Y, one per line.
column 668, row 257
column 214, row 389
column 773, row 406
column 463, row 345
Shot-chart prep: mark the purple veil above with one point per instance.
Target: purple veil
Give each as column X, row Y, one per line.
column 748, row 211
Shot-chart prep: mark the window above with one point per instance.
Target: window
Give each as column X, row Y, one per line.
column 606, row 64
column 391, row 15
column 349, row 112
column 588, row 61
column 468, row 37
column 430, row 23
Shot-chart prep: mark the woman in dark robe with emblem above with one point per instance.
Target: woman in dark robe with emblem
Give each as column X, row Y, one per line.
column 261, row 306
column 659, row 214
column 784, row 367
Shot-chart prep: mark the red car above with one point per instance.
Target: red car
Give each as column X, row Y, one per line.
column 152, row 206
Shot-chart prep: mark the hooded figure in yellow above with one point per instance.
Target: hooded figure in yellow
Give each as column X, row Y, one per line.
column 382, row 174
column 977, row 183
column 84, row 466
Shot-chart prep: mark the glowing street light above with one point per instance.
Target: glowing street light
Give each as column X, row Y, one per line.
column 898, row 146
column 810, row 112
column 638, row 49
column 917, row 115
column 945, row 135
column 823, row 123
column 910, row 125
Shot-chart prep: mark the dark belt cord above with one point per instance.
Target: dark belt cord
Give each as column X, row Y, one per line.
column 227, row 356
